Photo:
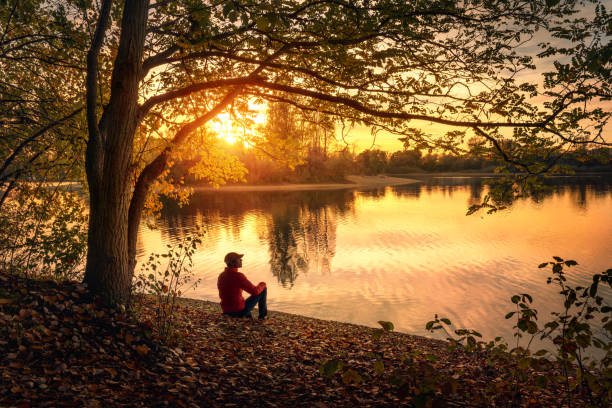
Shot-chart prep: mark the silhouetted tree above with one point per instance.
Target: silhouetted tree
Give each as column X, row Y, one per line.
column 173, row 65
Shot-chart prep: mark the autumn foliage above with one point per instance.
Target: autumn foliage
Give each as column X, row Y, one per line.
column 61, row 347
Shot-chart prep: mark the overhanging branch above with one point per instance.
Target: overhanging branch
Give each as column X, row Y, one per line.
column 188, row 90
column 94, row 144
column 32, row 138
column 358, row 106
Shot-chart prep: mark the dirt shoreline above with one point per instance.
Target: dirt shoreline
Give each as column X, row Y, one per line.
column 60, row 348
column 354, row 182
column 214, row 307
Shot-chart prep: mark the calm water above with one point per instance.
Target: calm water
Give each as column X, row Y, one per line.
column 398, row 253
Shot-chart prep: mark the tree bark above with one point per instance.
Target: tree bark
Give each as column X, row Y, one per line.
column 115, row 214
column 109, row 271
column 156, row 167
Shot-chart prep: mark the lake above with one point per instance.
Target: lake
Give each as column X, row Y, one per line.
column 400, row 253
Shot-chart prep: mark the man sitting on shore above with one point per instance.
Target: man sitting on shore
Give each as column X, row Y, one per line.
column 231, row 283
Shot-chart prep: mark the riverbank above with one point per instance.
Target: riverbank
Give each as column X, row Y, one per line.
column 489, row 174
column 352, row 182
column 60, row 348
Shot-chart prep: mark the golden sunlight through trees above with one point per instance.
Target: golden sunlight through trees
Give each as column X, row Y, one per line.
column 376, row 163
column 238, row 125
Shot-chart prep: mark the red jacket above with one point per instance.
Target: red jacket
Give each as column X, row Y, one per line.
column 231, row 283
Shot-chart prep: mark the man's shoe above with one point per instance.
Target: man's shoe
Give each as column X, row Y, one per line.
column 263, row 317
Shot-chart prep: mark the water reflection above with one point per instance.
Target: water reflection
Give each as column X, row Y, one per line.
column 401, row 253
column 286, row 259
column 579, row 188
column 299, row 227
column 301, row 239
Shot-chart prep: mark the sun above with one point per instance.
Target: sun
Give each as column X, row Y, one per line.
column 222, row 125
column 232, row 129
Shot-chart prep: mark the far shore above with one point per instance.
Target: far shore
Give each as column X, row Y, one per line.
column 353, row 182
column 467, row 174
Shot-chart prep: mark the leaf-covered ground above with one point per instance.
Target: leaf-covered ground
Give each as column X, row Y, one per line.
column 59, row 348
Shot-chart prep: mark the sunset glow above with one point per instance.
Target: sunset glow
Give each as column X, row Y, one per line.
column 385, row 251
column 236, row 126
column 306, row 203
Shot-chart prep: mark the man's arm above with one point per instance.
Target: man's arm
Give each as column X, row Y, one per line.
column 247, row 286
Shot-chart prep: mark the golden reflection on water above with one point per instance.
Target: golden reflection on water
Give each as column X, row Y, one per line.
column 399, row 254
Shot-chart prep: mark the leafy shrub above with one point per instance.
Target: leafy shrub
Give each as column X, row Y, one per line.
column 349, row 375
column 43, row 233
column 163, row 278
column 580, row 338
column 578, row 361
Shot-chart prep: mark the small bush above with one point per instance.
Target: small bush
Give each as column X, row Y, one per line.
column 163, row 278
column 43, row 233
column 578, row 362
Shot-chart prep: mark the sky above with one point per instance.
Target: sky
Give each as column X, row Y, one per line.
column 360, row 137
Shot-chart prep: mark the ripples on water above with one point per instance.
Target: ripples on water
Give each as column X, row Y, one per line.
column 398, row 253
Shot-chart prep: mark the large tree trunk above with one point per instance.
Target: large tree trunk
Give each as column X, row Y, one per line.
column 114, row 212
column 109, row 269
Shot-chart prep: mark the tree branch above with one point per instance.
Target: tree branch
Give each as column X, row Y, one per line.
column 32, row 138
column 94, row 144
column 358, row 106
column 188, row 90
column 156, row 167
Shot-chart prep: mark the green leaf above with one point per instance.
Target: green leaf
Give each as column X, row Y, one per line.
column 379, row 367
column 523, row 363
column 473, row 209
column 571, row 263
column 509, row 315
column 262, row 23
column 583, row 340
column 330, row 367
column 515, row 299
column 541, row 381
column 532, row 327
column 593, row 289
column 431, row 357
column 351, row 376
column 445, row 320
column 542, row 265
column 471, row 342
column 556, row 258
column 388, row 326
column 552, row 325
column 377, row 334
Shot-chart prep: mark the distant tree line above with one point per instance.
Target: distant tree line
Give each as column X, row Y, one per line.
column 296, row 146
column 318, row 165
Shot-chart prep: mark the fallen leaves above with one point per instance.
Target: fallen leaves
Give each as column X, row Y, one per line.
column 143, row 350
column 58, row 347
